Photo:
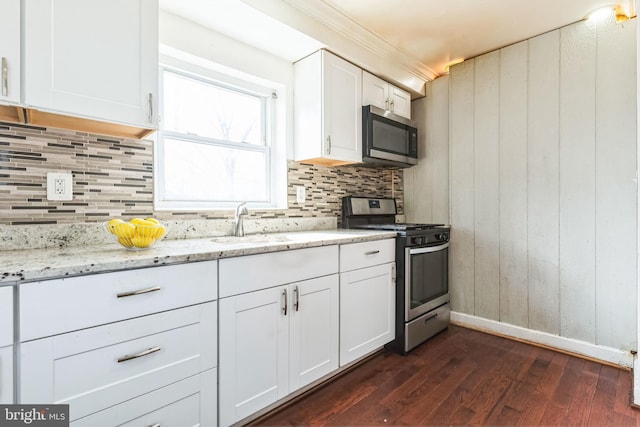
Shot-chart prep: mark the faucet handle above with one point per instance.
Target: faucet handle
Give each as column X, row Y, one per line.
column 241, row 209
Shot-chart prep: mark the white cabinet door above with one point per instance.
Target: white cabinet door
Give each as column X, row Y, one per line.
column 381, row 94
column 400, row 101
column 327, row 110
column 342, row 109
column 10, row 51
column 375, row 91
column 254, row 352
column 314, row 330
column 92, row 58
column 367, row 310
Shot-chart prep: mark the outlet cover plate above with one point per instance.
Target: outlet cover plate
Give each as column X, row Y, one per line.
column 59, row 186
column 300, row 194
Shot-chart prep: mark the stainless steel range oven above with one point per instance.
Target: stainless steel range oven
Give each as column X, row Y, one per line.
column 422, row 268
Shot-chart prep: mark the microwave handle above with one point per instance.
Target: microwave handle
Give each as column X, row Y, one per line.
column 327, row 149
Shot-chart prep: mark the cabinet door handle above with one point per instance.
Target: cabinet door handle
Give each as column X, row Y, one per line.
column 296, row 291
column 150, row 107
column 5, row 77
column 327, row 149
column 372, row 252
column 386, row 104
column 285, row 307
column 392, row 106
column 138, row 292
column 138, row 355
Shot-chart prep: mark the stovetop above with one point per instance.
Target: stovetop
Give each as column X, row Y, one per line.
column 380, row 214
column 398, row 226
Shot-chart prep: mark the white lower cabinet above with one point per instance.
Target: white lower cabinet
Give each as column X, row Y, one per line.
column 106, row 366
column 6, row 344
column 367, row 298
column 188, row 403
column 254, row 353
column 314, row 330
column 274, row 341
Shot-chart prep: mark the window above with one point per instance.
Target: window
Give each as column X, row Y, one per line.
column 216, row 143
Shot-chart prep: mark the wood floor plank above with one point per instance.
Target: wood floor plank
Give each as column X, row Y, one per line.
column 582, row 396
column 605, row 397
column 465, row 377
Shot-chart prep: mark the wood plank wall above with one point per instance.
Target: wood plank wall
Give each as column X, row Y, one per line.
column 542, row 176
column 428, row 181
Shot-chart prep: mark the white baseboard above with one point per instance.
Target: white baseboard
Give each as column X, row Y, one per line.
column 608, row 355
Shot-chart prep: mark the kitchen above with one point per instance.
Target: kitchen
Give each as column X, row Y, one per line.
column 481, row 197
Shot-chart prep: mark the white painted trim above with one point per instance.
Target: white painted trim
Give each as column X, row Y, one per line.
column 636, row 364
column 606, row 354
column 345, row 38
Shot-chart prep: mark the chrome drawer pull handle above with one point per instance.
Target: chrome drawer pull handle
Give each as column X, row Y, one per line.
column 155, row 425
column 150, row 108
column 372, row 252
column 5, row 77
column 285, row 307
column 141, row 354
column 138, row 292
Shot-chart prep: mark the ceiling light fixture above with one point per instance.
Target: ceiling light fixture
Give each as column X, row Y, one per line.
column 623, row 13
column 452, row 63
column 601, row 14
column 619, row 11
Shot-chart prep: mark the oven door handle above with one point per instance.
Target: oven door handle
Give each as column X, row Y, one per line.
column 428, row 249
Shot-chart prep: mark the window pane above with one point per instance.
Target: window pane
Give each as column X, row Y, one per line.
column 203, row 172
column 198, row 108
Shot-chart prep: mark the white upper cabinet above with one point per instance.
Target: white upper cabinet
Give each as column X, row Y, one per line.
column 327, row 110
column 94, row 59
column 10, row 51
column 381, row 94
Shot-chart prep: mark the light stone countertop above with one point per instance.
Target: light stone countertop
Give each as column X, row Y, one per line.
column 30, row 265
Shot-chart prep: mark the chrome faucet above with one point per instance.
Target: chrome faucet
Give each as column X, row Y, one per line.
column 241, row 211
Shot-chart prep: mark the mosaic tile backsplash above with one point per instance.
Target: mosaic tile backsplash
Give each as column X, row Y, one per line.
column 113, row 177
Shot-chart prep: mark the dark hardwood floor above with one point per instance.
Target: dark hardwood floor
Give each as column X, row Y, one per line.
column 465, row 377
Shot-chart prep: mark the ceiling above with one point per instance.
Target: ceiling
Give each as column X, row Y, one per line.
column 406, row 41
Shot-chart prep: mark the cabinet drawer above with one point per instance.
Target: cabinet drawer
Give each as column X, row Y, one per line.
column 6, row 315
column 99, row 367
column 6, row 375
column 58, row 306
column 251, row 273
column 366, row 254
column 190, row 402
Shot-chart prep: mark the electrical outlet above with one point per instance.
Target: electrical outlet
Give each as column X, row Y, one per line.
column 300, row 194
column 59, row 186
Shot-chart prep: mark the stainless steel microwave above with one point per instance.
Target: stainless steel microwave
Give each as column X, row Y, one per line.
column 388, row 139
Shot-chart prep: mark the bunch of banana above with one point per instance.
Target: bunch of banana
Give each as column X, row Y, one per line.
column 137, row 233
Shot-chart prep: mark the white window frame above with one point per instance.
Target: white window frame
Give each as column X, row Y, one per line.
column 274, row 132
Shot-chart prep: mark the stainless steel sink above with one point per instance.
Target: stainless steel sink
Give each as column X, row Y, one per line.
column 253, row 238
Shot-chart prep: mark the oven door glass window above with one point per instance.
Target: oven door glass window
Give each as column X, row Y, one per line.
column 429, row 272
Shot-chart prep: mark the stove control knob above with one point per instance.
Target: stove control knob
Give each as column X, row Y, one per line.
column 442, row 237
column 417, row 240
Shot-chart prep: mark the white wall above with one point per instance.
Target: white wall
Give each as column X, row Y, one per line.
column 426, row 185
column 543, row 184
